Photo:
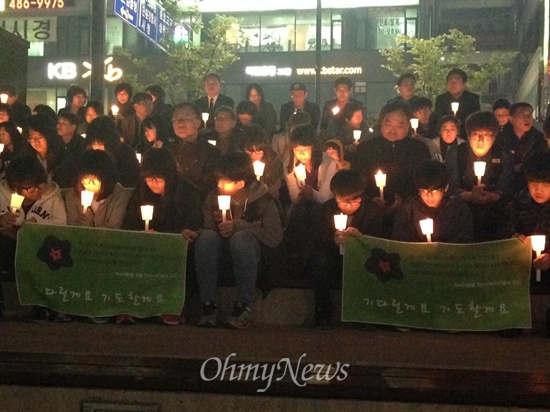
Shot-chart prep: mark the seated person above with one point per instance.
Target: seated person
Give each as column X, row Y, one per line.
column 13, row 143
column 365, row 217
column 452, row 220
column 97, row 174
column 226, row 135
column 252, row 225
column 486, row 199
column 42, row 204
column 427, row 123
column 176, row 206
column 335, row 150
column 344, row 124
column 529, row 213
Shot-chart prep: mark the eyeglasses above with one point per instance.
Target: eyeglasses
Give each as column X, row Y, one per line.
column 91, row 182
column 433, row 192
column 481, row 137
column 253, row 151
column 352, row 202
column 154, row 180
column 30, row 190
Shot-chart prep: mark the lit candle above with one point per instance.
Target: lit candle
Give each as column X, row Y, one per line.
column 205, row 116
column 4, row 98
column 138, row 155
column 335, row 110
column 1, row 147
column 114, row 110
column 357, row 135
column 380, row 182
column 538, row 242
column 20, row 130
column 427, row 227
column 259, row 169
column 300, row 173
column 414, row 124
column 147, row 215
column 224, row 202
column 212, row 142
column 340, row 223
column 16, row 202
column 83, row 135
column 454, row 107
column 479, row 170
column 86, row 198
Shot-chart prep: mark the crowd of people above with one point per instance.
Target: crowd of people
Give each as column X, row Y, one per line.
column 287, row 176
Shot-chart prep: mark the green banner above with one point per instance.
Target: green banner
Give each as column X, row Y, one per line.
column 469, row 287
column 100, row 272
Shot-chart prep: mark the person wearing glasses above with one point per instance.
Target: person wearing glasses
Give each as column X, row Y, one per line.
column 42, row 204
column 488, row 194
column 365, row 217
column 452, row 220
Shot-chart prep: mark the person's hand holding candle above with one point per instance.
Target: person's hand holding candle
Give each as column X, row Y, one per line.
column 226, row 228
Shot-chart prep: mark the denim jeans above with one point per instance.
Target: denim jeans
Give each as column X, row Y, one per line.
column 245, row 253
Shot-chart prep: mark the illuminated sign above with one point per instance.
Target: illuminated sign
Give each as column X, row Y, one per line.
column 35, row 29
column 37, row 4
column 69, row 71
column 274, row 71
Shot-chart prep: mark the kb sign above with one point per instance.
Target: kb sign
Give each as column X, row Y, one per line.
column 69, row 70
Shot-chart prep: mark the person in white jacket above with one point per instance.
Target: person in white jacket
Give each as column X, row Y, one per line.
column 42, row 203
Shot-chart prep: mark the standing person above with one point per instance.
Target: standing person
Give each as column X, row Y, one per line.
column 213, row 99
column 19, row 111
column 177, row 207
column 456, row 92
column 76, row 98
column 266, row 115
column 103, row 135
column 485, row 200
column 196, row 158
column 251, row 229
column 143, row 107
column 126, row 121
column 299, row 103
column 395, row 153
column 342, row 87
column 406, row 87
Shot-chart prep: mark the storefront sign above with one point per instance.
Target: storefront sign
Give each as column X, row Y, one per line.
column 33, row 29
column 69, row 70
column 274, row 71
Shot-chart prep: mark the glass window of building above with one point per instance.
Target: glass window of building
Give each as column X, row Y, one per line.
column 277, row 32
column 249, row 39
column 384, row 24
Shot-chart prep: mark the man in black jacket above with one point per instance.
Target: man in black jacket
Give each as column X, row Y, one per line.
column 213, row 99
column 298, row 94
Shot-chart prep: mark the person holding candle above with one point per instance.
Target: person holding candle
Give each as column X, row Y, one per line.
column 486, row 200
column 364, row 217
column 427, row 123
column 298, row 104
column 468, row 102
column 13, row 144
column 394, row 153
column 529, row 214
column 125, row 114
column 19, row 111
column 342, row 88
column 226, row 134
column 213, row 99
column 42, row 204
column 176, row 208
column 344, row 124
column 249, row 236
column 255, row 143
column 452, row 219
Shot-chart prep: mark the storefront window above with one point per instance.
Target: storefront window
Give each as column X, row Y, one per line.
column 277, row 33
column 249, row 40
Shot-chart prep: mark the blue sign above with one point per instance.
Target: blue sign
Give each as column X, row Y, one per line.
column 127, row 10
column 148, row 16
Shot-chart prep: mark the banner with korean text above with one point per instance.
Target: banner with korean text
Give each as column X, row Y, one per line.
column 100, row 272
column 469, row 287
